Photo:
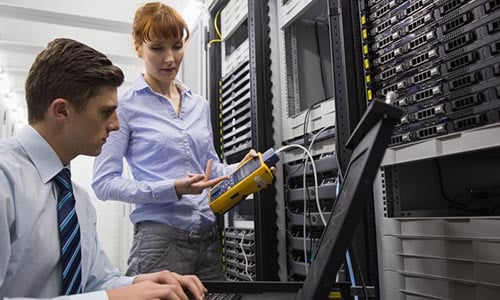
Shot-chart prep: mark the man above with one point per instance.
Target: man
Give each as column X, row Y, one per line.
column 46, row 249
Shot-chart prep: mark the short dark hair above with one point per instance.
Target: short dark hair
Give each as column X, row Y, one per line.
column 70, row 70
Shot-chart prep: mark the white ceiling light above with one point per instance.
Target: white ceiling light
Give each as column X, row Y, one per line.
column 192, row 12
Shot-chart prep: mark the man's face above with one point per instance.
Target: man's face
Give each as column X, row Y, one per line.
column 92, row 125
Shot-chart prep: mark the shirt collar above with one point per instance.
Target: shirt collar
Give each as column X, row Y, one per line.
column 141, row 85
column 40, row 152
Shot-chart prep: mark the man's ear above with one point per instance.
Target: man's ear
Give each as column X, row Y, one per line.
column 59, row 108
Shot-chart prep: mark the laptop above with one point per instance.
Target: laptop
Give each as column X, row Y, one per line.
column 368, row 143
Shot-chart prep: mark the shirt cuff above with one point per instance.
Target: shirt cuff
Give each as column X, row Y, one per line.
column 99, row 295
column 164, row 191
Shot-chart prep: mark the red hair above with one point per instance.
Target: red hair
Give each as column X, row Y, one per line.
column 156, row 20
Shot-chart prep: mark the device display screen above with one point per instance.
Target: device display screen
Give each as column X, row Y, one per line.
column 237, row 176
column 246, row 170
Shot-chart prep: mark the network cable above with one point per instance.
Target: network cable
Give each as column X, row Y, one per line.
column 316, row 194
column 219, row 35
column 314, row 173
column 245, row 255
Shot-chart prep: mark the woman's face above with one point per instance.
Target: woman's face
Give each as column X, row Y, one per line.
column 162, row 59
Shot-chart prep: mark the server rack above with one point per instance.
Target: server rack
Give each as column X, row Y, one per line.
column 437, row 194
column 350, row 96
column 242, row 104
column 302, row 105
column 303, row 75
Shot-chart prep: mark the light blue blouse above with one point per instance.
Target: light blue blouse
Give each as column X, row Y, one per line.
column 160, row 147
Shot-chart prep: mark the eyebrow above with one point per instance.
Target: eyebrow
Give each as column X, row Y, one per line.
column 109, row 107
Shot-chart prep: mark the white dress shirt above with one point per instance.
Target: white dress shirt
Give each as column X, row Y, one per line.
column 29, row 240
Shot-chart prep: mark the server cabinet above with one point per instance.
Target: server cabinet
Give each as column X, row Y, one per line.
column 242, row 107
column 436, row 195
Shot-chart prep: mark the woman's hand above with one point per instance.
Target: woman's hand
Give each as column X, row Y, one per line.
column 251, row 154
column 196, row 183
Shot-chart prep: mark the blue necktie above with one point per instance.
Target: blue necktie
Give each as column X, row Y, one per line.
column 69, row 234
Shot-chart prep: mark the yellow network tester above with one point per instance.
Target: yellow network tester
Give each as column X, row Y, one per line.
column 250, row 177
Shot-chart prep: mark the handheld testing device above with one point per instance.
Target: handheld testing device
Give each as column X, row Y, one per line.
column 250, row 177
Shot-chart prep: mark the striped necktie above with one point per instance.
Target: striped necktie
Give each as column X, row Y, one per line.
column 69, row 234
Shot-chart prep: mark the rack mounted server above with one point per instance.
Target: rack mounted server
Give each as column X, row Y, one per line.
column 441, row 58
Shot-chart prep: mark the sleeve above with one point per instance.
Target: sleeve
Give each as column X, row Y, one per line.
column 102, row 275
column 101, row 295
column 6, row 221
column 108, row 181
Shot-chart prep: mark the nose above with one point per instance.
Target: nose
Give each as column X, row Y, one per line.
column 169, row 56
column 114, row 124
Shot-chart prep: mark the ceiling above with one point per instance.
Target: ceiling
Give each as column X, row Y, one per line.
column 26, row 26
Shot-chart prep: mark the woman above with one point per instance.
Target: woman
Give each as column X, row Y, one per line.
column 166, row 137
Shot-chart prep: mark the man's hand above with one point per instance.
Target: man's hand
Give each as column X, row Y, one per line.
column 160, row 285
column 196, row 183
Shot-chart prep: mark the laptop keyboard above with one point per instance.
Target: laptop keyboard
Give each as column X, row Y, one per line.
column 217, row 296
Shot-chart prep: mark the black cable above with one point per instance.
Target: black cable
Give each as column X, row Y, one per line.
column 323, row 77
column 441, row 186
column 360, row 272
column 306, row 124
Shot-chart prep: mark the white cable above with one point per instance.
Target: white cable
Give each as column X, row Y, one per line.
column 305, row 196
column 245, row 255
column 315, row 136
column 316, row 183
column 314, row 173
column 304, row 188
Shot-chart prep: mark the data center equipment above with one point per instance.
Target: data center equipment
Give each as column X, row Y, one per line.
column 436, row 195
column 308, row 119
column 307, row 116
column 440, row 57
column 238, row 48
column 368, row 143
column 240, row 254
column 235, row 122
column 250, row 177
column 437, row 188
